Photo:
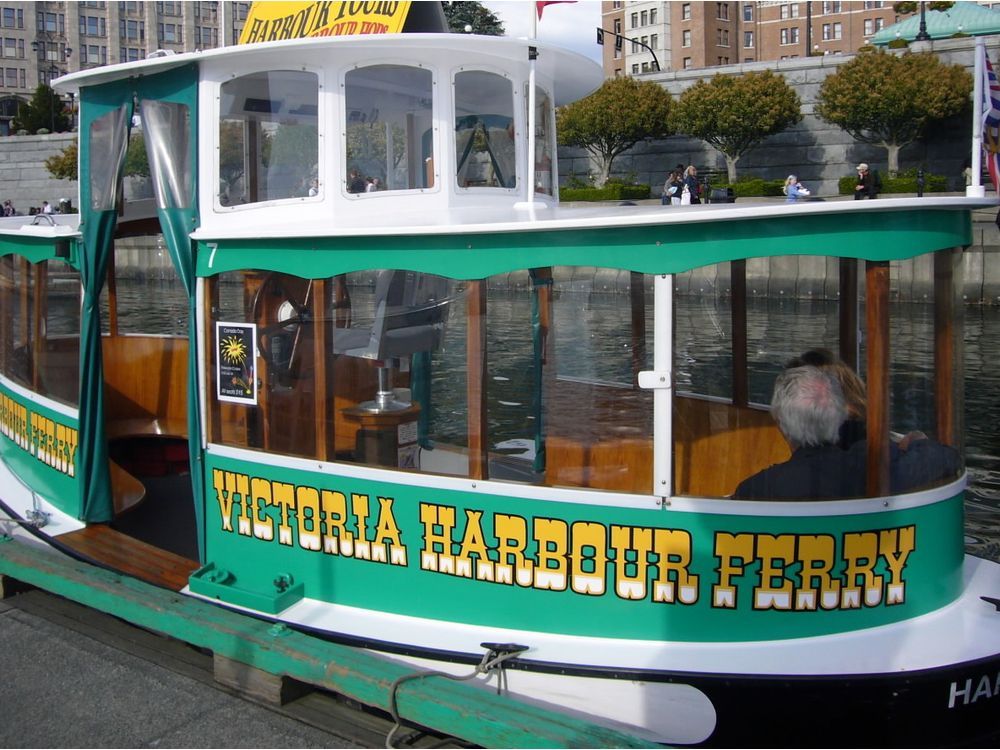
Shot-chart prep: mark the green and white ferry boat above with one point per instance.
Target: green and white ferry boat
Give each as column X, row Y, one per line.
column 346, row 463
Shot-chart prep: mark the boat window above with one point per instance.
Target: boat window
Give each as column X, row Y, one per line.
column 484, row 130
column 168, row 145
column 336, row 369
column 40, row 326
column 545, row 149
column 108, row 139
column 808, row 310
column 597, row 422
column 268, row 137
column 390, row 144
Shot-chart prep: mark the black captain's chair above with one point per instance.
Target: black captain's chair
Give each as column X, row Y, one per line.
column 410, row 312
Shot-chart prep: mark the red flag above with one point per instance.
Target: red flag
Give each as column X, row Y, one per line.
column 540, row 5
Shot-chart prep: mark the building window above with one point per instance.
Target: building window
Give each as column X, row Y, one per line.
column 635, row 20
column 10, row 77
column 869, row 27
column 170, row 33
column 130, row 54
column 635, row 69
column 838, row 30
column 873, row 4
column 748, row 39
column 879, row 23
column 635, row 47
column 652, row 16
column 723, row 60
column 644, row 18
column 687, row 63
column 13, row 18
column 618, row 26
column 789, row 10
column 831, row 7
column 168, row 9
column 654, row 41
column 134, row 30
column 52, row 23
column 686, row 12
column 790, row 36
column 722, row 37
column 747, row 12
column 206, row 37
column 645, row 67
column 93, row 26
column 722, row 11
column 686, row 38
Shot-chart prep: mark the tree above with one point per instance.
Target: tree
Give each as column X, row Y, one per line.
column 45, row 111
column 63, row 166
column 735, row 113
column 136, row 160
column 614, row 118
column 889, row 100
column 460, row 14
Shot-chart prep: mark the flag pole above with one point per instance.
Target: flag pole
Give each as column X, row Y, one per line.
column 532, row 53
column 976, row 189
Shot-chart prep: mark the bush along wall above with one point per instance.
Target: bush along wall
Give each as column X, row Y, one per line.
column 613, row 191
column 904, row 182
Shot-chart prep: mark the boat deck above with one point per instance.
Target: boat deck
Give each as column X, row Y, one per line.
column 133, row 557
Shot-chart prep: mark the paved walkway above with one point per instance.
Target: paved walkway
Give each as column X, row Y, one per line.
column 73, row 677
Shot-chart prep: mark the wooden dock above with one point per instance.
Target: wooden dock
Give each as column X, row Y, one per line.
column 263, row 656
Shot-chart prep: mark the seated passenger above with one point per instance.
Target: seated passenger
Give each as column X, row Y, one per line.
column 810, row 409
column 853, row 387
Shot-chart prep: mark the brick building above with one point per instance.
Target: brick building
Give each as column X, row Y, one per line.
column 705, row 34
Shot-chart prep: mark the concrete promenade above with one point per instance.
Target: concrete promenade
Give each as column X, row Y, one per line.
column 73, row 677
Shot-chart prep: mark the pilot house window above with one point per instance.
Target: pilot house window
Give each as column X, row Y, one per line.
column 390, row 144
column 484, row 130
column 268, row 137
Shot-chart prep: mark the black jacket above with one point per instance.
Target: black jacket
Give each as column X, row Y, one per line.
column 832, row 473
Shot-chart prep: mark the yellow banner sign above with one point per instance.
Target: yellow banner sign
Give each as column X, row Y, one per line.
column 273, row 21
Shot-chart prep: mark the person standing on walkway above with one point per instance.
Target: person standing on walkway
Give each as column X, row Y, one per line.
column 691, row 186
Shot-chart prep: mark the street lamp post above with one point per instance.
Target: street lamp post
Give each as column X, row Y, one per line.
column 53, row 71
column 922, row 35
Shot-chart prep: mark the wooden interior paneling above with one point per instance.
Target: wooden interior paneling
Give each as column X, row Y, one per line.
column 600, row 436
column 146, row 380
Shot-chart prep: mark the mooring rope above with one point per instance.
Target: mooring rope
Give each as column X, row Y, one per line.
column 495, row 656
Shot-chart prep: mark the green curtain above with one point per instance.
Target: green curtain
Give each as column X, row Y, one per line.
column 106, row 116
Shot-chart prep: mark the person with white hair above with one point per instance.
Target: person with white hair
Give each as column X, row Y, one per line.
column 809, row 407
column 867, row 185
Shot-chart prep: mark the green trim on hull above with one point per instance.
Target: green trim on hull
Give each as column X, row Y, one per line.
column 492, row 559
